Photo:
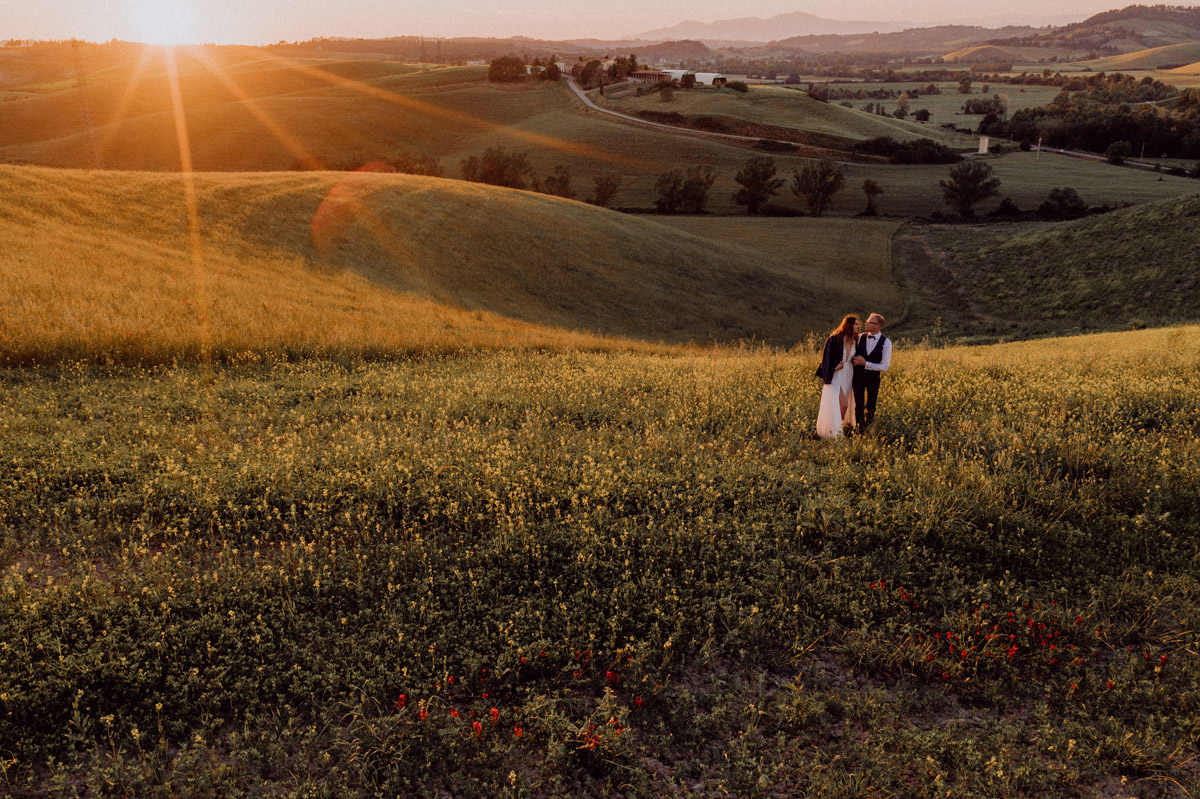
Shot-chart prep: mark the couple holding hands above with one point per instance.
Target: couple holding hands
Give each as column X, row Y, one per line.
column 850, row 368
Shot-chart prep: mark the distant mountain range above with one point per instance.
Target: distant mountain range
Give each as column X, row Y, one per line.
column 1111, row 32
column 756, row 29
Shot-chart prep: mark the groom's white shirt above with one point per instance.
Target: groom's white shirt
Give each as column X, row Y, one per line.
column 872, row 343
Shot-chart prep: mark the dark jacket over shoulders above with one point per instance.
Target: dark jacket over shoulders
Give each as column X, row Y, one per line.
column 830, row 358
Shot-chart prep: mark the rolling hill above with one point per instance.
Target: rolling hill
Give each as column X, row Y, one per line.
column 106, row 265
column 1173, row 56
column 1130, row 268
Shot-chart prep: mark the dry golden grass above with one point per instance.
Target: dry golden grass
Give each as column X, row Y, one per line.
column 1147, row 59
column 101, row 265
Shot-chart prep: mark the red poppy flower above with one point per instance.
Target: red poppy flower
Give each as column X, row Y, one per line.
column 401, row 702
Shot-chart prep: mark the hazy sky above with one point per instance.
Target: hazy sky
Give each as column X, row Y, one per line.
column 262, row 21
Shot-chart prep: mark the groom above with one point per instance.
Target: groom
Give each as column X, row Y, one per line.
column 872, row 357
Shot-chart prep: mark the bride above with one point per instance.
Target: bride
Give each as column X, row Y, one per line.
column 836, row 369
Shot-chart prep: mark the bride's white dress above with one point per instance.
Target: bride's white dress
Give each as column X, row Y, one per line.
column 830, row 420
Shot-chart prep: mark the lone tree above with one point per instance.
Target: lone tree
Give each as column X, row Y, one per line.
column 506, row 69
column 970, row 182
column 558, row 182
column 606, row 188
column 687, row 81
column 817, row 183
column 872, row 190
column 498, row 167
column 1063, row 202
column 1118, row 151
column 758, row 183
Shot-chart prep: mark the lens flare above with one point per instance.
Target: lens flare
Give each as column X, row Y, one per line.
column 164, row 22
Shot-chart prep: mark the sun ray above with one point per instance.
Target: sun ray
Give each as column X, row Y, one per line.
column 455, row 116
column 293, row 145
column 193, row 210
column 127, row 97
column 349, row 192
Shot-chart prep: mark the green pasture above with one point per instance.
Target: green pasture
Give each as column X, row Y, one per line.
column 571, row 574
column 772, row 105
column 946, row 107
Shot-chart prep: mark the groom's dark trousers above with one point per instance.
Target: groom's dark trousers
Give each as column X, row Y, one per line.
column 866, row 392
column 866, row 382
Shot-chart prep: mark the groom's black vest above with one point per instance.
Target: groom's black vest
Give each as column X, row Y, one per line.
column 876, row 356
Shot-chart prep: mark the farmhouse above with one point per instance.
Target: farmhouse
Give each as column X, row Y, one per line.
column 677, row 74
column 649, row 76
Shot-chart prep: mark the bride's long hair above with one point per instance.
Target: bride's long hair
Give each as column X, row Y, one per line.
column 846, row 328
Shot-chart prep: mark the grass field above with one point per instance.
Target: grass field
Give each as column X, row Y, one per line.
column 584, row 574
column 329, row 484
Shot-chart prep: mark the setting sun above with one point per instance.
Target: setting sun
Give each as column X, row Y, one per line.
column 166, row 22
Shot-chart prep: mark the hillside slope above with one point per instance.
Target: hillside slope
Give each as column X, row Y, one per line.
column 1129, row 268
column 1171, row 56
column 100, row 263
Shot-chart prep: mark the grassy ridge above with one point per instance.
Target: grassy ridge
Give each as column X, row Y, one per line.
column 102, row 266
column 1134, row 267
column 632, row 573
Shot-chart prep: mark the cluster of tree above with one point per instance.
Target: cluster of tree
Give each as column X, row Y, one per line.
column 593, row 73
column 510, row 68
column 828, row 93
column 916, row 151
column 1100, row 87
column 997, row 104
column 590, row 74
column 546, row 68
column 1116, row 89
column 507, row 69
column 500, row 167
column 399, row 161
column 815, row 184
column 1095, row 128
column 622, row 66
